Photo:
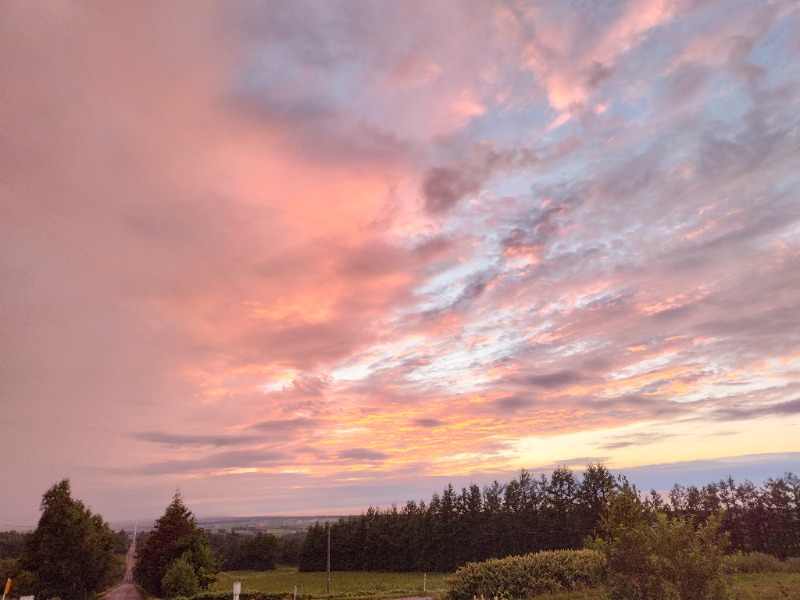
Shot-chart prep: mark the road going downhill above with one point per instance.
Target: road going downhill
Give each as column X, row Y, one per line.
column 126, row 591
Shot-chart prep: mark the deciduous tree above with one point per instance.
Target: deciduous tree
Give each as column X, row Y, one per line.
column 71, row 552
column 651, row 556
column 179, row 580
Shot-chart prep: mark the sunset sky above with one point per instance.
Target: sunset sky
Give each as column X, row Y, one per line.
column 307, row 257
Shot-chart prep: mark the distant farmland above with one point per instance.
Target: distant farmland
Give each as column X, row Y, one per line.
column 277, row 526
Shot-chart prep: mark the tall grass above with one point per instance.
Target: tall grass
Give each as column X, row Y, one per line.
column 758, row 562
column 348, row 583
column 765, row 586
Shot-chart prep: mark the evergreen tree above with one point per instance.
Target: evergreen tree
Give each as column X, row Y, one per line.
column 313, row 555
column 245, row 552
column 71, row 553
column 289, row 548
column 175, row 536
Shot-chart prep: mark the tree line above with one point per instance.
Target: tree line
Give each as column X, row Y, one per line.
column 762, row 518
column 530, row 514
column 255, row 552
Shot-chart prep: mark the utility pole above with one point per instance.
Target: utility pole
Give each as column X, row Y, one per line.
column 328, row 527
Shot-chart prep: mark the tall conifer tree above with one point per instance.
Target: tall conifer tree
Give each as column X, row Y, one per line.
column 176, row 536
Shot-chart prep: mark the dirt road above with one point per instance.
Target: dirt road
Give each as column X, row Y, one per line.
column 126, row 591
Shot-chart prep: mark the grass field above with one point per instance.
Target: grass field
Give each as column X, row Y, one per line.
column 760, row 586
column 765, row 586
column 756, row 586
column 342, row 583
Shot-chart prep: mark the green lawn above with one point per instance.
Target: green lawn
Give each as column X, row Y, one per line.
column 760, row 586
column 765, row 586
column 342, row 583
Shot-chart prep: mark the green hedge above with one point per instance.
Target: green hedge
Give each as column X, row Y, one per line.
column 528, row 575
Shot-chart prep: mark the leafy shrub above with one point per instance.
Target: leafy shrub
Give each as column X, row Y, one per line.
column 179, row 580
column 653, row 557
column 9, row 567
column 23, row 582
column 753, row 562
column 527, row 575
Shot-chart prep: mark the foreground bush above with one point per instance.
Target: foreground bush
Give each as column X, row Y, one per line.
column 654, row 557
column 528, row 575
column 179, row 580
